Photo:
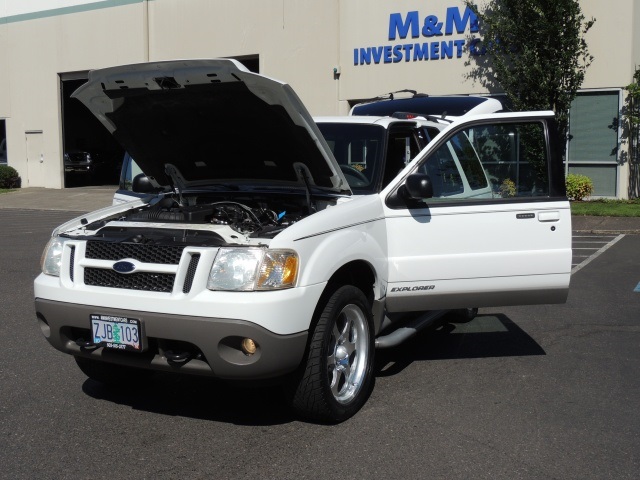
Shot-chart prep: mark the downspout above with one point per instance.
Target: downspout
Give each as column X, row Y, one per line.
column 145, row 29
column 336, row 75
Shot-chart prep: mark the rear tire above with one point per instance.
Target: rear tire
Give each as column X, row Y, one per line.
column 337, row 377
column 111, row 374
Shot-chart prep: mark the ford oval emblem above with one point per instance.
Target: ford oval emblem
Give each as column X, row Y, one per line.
column 124, row 267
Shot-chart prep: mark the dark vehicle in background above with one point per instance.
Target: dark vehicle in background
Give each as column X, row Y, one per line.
column 77, row 161
column 426, row 105
column 82, row 167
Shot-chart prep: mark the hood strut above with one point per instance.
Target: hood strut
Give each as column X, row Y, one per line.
column 177, row 180
column 303, row 174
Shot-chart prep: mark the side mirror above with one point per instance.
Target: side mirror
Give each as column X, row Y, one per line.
column 142, row 184
column 417, row 187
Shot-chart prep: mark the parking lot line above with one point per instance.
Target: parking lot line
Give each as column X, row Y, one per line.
column 598, row 252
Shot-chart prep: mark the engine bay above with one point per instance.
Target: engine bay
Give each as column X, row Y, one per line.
column 206, row 219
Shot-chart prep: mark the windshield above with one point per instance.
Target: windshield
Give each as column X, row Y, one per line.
column 358, row 150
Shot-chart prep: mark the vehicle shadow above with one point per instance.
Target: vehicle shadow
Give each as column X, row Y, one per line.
column 487, row 335
column 199, row 398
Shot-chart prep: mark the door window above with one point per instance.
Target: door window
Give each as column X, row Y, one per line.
column 514, row 157
column 490, row 161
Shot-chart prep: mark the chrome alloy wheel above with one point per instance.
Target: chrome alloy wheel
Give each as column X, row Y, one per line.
column 348, row 353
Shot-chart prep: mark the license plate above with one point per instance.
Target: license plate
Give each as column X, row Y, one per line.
column 119, row 333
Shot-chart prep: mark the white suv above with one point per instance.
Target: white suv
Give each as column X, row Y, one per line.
column 256, row 261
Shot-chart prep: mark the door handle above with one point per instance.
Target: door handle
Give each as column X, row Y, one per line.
column 549, row 216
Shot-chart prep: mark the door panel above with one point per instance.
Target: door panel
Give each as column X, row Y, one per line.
column 510, row 247
column 459, row 257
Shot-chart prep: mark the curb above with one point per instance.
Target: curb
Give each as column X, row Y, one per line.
column 609, row 232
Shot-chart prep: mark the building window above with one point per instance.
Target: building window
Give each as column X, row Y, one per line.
column 593, row 140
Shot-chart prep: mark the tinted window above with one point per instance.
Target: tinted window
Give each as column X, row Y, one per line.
column 514, row 157
column 358, row 150
column 491, row 161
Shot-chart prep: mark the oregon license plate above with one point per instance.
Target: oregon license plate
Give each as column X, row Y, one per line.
column 120, row 333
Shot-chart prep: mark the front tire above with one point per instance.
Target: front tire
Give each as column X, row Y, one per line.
column 337, row 377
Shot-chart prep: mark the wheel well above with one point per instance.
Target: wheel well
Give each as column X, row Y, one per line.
column 358, row 273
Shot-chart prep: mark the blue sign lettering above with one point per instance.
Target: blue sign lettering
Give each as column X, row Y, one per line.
column 454, row 18
column 402, row 28
column 456, row 22
column 421, row 51
column 412, row 52
column 473, row 47
column 432, row 27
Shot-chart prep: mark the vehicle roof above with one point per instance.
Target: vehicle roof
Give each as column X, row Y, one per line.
column 449, row 105
column 384, row 122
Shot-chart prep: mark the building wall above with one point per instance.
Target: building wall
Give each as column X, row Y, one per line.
column 39, row 48
column 611, row 42
column 296, row 40
column 299, row 41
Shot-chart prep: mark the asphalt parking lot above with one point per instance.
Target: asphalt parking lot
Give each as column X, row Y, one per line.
column 519, row 392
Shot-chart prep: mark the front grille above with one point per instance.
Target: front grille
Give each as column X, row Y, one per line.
column 165, row 254
column 152, row 282
column 191, row 272
column 72, row 262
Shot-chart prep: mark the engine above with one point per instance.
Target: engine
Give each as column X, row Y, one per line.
column 256, row 216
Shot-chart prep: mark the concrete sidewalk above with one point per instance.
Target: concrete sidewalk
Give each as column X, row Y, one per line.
column 87, row 199
column 80, row 199
column 604, row 225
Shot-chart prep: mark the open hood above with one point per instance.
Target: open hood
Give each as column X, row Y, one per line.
column 191, row 123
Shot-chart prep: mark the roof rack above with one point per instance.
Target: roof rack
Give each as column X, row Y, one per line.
column 391, row 95
column 431, row 118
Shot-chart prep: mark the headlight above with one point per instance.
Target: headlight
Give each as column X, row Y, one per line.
column 52, row 256
column 245, row 269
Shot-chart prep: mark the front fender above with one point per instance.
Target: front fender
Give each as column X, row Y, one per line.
column 328, row 240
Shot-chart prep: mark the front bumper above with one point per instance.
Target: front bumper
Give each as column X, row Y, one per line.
column 214, row 343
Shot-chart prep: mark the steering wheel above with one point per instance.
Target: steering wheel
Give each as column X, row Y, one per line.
column 361, row 179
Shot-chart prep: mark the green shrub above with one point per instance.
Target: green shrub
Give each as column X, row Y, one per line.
column 508, row 188
column 579, row 187
column 9, row 177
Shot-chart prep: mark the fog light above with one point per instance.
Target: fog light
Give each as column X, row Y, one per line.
column 249, row 347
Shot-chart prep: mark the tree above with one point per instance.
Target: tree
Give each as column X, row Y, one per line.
column 631, row 132
column 535, row 51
